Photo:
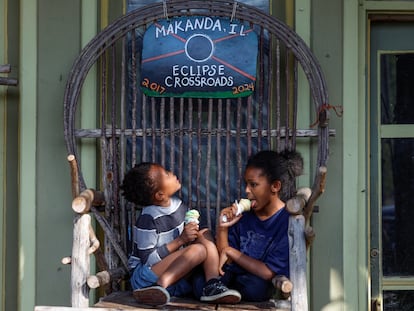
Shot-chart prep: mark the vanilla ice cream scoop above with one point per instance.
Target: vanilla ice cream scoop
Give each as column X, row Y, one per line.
column 242, row 206
column 192, row 216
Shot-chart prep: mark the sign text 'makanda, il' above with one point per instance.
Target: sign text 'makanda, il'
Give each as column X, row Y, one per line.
column 199, row 56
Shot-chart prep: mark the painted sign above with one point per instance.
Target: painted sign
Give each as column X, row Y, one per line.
column 199, row 56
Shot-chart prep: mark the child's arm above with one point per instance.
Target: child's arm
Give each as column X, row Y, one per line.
column 222, row 239
column 188, row 235
column 248, row 263
column 146, row 239
column 222, row 236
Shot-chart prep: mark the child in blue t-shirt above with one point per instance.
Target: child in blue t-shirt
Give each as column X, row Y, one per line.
column 254, row 246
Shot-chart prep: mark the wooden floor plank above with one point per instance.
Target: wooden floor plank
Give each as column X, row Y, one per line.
column 125, row 301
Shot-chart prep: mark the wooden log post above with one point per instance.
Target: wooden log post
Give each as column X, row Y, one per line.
column 104, row 277
column 96, row 249
column 309, row 236
column 283, row 284
column 83, row 202
column 297, row 262
column 296, row 204
column 80, row 261
column 318, row 188
column 74, row 175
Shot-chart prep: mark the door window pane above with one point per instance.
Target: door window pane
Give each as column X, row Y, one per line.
column 398, row 300
column 397, row 91
column 397, row 206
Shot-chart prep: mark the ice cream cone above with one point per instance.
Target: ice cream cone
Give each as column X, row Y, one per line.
column 242, row 206
column 192, row 216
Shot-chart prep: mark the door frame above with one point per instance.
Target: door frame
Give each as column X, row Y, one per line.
column 369, row 9
column 355, row 96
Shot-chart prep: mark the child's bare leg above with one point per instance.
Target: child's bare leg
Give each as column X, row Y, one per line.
column 213, row 290
column 176, row 265
column 211, row 263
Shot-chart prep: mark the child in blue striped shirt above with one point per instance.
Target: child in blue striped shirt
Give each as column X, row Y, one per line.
column 166, row 250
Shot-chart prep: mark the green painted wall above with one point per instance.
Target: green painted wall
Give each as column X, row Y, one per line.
column 9, row 109
column 326, row 273
column 2, row 150
column 12, row 159
column 27, row 153
column 59, row 31
column 64, row 27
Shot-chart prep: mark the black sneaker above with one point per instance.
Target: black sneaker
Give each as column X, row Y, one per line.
column 153, row 295
column 216, row 292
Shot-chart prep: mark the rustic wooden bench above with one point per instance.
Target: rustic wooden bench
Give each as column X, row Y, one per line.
column 205, row 140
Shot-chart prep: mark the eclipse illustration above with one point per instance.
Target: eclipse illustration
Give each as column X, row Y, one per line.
column 193, row 50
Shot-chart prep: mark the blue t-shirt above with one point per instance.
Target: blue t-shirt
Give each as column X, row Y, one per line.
column 264, row 240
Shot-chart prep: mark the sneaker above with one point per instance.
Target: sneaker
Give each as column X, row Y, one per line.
column 153, row 295
column 216, row 292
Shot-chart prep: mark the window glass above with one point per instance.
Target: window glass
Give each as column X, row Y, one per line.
column 398, row 300
column 397, row 206
column 397, row 91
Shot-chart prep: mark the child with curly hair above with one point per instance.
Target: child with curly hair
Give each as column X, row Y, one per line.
column 254, row 247
column 165, row 249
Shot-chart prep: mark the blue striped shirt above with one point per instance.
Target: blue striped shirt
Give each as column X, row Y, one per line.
column 155, row 228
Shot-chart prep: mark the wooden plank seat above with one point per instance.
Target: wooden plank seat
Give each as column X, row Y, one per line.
column 206, row 141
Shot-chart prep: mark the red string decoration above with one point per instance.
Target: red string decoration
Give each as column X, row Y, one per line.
column 325, row 107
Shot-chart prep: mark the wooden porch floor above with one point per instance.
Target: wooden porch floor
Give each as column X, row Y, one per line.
column 125, row 301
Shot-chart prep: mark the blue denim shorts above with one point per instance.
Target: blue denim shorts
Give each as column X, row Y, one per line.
column 143, row 276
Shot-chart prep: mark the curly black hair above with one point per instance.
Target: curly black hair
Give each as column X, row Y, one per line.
column 138, row 186
column 284, row 166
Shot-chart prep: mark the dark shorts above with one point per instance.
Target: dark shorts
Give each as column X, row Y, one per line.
column 250, row 286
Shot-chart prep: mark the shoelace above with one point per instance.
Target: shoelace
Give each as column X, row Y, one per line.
column 220, row 286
